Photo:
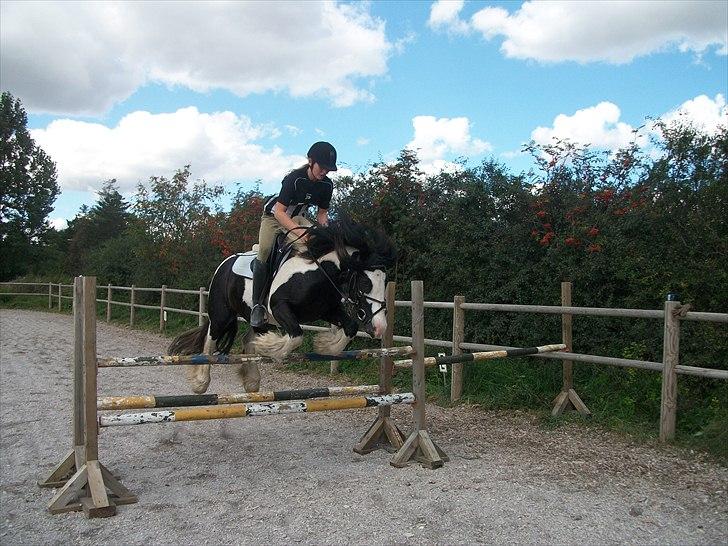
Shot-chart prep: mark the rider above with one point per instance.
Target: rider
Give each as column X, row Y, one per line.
column 283, row 213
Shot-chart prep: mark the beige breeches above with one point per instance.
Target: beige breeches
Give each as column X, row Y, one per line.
column 270, row 228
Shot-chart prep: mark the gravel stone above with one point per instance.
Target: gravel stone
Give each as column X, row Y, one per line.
column 294, row 478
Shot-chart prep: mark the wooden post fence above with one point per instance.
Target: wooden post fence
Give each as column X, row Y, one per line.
column 50, row 296
column 458, row 336
column 670, row 358
column 59, row 296
column 419, row 445
column 568, row 397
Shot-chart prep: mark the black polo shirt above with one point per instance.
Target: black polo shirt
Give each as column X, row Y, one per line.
column 298, row 192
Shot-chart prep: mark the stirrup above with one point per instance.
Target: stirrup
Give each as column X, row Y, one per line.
column 257, row 316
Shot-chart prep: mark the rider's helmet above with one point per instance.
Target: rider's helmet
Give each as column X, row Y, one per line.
column 324, row 154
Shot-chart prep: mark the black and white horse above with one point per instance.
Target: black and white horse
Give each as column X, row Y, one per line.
column 340, row 279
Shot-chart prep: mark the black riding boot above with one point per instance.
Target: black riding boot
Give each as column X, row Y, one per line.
column 260, row 281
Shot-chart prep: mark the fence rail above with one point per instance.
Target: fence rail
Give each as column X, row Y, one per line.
column 672, row 314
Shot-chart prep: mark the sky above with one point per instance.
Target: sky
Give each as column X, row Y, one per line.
column 240, row 90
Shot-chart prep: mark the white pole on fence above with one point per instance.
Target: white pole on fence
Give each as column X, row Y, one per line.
column 162, row 303
column 201, row 307
column 131, row 306
column 670, row 358
column 108, row 303
column 458, row 336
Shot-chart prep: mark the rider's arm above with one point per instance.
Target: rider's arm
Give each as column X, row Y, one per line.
column 279, row 213
column 322, row 217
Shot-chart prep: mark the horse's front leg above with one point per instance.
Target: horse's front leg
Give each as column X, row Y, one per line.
column 336, row 339
column 277, row 346
column 249, row 372
column 199, row 376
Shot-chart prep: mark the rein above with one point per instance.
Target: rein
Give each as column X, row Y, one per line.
column 353, row 287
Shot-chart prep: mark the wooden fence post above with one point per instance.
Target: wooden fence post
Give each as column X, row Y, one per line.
column 131, row 306
column 59, row 296
column 670, row 358
column 568, row 398
column 162, row 303
column 567, row 337
column 108, row 303
column 50, row 296
column 419, row 444
column 201, row 307
column 458, row 333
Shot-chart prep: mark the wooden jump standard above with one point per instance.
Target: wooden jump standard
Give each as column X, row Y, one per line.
column 83, row 481
column 487, row 355
column 156, row 401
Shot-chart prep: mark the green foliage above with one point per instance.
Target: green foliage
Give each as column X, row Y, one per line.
column 28, row 189
column 625, row 228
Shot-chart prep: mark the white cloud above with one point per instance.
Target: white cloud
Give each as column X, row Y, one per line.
column 445, row 14
column 702, row 112
column 600, row 125
column 597, row 125
column 589, row 31
column 220, row 147
column 438, row 138
column 362, row 141
column 59, row 223
column 83, row 57
column 293, row 130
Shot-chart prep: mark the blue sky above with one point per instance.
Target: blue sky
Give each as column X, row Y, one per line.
column 240, row 90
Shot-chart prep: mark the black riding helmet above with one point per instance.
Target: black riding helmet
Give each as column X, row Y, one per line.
column 324, row 154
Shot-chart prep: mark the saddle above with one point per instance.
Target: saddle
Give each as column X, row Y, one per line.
column 243, row 264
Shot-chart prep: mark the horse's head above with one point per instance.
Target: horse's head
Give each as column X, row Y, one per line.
column 368, row 281
column 364, row 256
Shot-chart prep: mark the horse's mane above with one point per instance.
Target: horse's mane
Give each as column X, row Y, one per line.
column 374, row 247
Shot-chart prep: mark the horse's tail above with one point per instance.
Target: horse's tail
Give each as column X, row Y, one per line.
column 191, row 342
column 225, row 336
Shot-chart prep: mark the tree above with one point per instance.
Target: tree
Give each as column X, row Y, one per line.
column 173, row 217
column 92, row 228
column 28, row 189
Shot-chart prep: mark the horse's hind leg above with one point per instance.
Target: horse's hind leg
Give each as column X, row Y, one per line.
column 199, row 376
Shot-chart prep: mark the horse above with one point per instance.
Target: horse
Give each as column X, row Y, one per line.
column 340, row 279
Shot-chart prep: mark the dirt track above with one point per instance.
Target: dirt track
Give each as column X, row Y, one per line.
column 294, row 479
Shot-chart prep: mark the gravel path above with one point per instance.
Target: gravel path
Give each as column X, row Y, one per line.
column 294, row 479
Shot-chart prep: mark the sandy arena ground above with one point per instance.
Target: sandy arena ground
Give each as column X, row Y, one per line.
column 294, row 479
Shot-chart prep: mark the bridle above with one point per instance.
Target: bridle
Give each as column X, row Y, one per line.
column 356, row 293
column 354, row 299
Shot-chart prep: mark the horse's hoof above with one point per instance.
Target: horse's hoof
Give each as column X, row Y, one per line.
column 251, row 386
column 199, row 387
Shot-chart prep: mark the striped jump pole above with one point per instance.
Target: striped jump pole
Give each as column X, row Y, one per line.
column 165, row 360
column 488, row 355
column 251, row 410
column 156, row 401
